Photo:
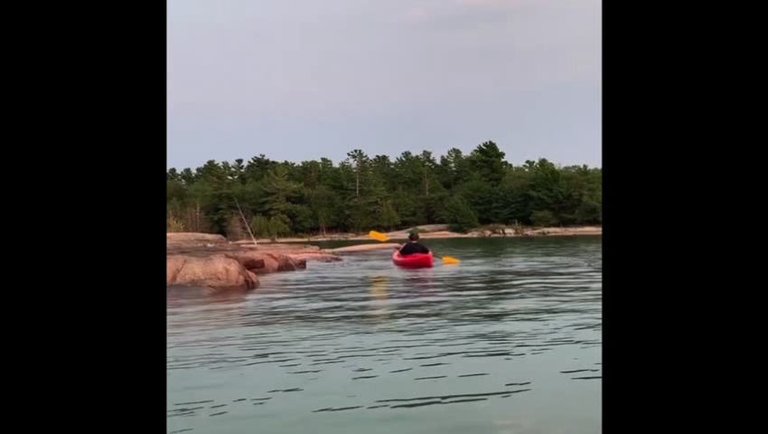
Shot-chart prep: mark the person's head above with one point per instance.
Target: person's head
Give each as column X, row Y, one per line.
column 413, row 236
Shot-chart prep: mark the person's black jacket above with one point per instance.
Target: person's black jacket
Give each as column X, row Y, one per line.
column 413, row 247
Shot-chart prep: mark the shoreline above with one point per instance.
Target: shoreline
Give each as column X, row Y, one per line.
column 212, row 262
column 441, row 232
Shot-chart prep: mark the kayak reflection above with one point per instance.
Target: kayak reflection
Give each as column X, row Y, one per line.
column 423, row 280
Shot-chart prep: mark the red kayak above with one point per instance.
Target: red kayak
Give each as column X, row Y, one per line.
column 416, row 260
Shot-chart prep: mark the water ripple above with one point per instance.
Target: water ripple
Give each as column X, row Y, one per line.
column 514, row 313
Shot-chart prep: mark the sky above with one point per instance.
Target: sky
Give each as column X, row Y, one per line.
column 299, row 80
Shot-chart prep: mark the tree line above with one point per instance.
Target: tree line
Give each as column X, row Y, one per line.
column 362, row 193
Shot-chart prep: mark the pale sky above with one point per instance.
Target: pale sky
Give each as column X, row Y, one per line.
column 302, row 79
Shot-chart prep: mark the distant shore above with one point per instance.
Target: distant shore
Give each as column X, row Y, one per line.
column 441, row 232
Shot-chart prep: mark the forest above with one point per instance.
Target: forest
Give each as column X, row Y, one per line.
column 362, row 193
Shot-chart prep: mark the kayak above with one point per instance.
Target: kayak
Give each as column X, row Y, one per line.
column 416, row 260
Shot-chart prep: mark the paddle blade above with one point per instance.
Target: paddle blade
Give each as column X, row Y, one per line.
column 450, row 260
column 378, row 236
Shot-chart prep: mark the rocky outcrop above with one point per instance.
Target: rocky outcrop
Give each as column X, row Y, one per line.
column 267, row 262
column 315, row 256
column 365, row 247
column 209, row 261
column 192, row 239
column 217, row 272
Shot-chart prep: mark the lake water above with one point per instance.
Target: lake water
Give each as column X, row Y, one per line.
column 509, row 341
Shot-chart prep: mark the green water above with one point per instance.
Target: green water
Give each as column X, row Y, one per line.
column 507, row 342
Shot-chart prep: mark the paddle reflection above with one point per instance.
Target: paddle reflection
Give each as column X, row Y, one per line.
column 380, row 294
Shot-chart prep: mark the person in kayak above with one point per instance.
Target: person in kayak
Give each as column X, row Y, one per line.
column 413, row 245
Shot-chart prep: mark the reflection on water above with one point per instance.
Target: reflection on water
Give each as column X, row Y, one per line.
column 379, row 286
column 508, row 341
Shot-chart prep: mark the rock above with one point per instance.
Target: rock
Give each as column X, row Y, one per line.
column 251, row 263
column 278, row 262
column 194, row 237
column 177, row 239
column 173, row 265
column 208, row 261
column 315, row 256
column 265, row 262
column 365, row 247
column 217, row 272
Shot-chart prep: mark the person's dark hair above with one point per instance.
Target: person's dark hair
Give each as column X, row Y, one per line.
column 413, row 236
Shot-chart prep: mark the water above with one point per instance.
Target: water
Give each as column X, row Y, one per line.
column 506, row 342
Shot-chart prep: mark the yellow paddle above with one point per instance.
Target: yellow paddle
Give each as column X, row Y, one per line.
column 378, row 236
column 450, row 260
